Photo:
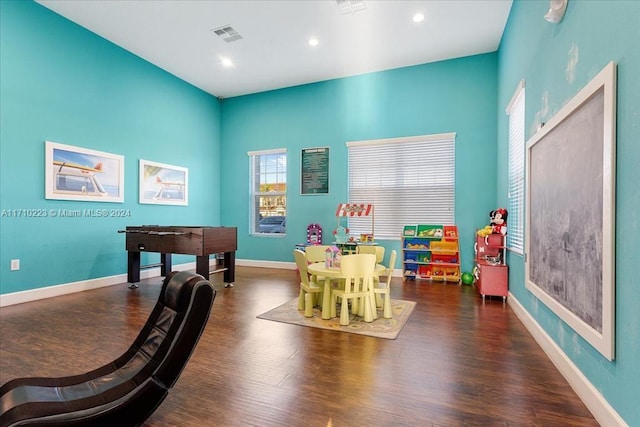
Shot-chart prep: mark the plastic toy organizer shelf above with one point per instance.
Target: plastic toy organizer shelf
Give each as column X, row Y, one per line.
column 431, row 253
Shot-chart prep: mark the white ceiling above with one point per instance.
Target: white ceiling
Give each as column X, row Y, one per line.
column 177, row 36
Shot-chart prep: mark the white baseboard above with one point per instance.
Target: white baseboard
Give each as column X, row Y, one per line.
column 594, row 401
column 266, row 264
column 85, row 285
column 82, row 285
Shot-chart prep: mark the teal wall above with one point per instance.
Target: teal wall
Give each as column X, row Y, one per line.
column 539, row 52
column 61, row 83
column 450, row 96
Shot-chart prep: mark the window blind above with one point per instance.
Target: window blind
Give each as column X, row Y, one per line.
column 408, row 180
column 515, row 221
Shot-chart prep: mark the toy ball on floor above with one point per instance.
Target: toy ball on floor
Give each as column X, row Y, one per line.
column 467, row 278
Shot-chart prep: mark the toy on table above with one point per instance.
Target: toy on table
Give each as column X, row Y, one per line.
column 354, row 211
column 314, row 234
column 366, row 237
column 332, row 257
column 341, row 234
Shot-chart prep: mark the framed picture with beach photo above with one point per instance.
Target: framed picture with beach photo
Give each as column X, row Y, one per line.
column 75, row 173
column 163, row 184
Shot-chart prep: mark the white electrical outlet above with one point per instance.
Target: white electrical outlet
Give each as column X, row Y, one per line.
column 15, row 264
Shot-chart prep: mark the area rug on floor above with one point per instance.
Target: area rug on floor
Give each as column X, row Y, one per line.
column 379, row 328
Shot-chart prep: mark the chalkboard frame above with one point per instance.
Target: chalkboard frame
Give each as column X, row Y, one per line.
column 565, row 223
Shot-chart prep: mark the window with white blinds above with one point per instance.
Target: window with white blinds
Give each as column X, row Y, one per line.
column 408, row 180
column 515, row 221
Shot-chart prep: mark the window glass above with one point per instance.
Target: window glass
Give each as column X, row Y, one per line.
column 268, row 208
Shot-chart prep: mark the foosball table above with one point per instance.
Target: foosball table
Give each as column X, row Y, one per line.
column 187, row 240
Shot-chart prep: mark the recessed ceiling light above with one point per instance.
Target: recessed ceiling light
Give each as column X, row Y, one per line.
column 313, row 41
column 226, row 62
column 418, row 17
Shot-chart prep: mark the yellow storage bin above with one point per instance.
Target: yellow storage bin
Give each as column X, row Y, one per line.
column 444, row 247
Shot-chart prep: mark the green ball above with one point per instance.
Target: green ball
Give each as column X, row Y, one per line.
column 467, row 278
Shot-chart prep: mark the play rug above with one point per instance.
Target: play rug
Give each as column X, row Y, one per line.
column 379, row 328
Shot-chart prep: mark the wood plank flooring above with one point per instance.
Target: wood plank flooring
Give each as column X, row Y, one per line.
column 457, row 362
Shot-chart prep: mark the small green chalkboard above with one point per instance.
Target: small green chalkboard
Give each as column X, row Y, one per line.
column 315, row 171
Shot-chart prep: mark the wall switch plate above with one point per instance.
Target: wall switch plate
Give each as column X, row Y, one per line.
column 15, row 264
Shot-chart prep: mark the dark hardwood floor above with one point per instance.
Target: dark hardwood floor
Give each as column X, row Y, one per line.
column 457, row 362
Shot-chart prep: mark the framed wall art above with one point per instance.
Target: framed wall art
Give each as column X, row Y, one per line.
column 163, row 184
column 75, row 173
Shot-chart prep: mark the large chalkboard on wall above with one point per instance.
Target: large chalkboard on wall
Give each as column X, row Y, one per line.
column 570, row 212
column 315, row 171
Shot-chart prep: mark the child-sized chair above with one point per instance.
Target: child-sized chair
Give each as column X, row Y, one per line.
column 308, row 288
column 357, row 270
column 316, row 253
column 384, row 289
column 378, row 251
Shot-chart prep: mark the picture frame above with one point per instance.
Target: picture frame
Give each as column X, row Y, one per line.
column 82, row 174
column 163, row 184
column 570, row 215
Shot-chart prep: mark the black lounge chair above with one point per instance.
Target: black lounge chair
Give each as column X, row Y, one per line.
column 128, row 390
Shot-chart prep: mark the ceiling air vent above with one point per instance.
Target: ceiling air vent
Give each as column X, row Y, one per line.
column 350, row 6
column 227, row 33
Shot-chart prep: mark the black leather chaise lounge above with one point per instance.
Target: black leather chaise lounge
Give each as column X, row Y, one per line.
column 126, row 391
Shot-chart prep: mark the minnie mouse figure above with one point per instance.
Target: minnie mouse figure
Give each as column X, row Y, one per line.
column 499, row 221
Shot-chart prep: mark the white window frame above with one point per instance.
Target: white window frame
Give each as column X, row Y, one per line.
column 254, row 192
column 515, row 221
column 409, row 180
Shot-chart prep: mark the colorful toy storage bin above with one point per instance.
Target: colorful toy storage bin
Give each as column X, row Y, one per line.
column 431, row 252
column 416, row 254
column 446, row 259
